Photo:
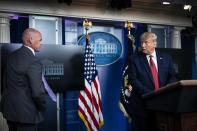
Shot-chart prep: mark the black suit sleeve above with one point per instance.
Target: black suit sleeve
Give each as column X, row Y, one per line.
column 34, row 74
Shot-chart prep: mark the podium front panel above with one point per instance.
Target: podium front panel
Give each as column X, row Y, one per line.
column 182, row 99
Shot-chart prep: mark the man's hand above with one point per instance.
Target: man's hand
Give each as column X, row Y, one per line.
column 130, row 88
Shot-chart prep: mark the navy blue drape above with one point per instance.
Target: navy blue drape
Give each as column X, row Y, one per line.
column 17, row 26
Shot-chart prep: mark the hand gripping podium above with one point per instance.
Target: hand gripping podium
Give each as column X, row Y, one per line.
column 174, row 106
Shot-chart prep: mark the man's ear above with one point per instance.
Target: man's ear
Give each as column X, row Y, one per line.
column 155, row 44
column 30, row 40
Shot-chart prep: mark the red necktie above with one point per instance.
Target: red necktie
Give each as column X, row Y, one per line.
column 154, row 72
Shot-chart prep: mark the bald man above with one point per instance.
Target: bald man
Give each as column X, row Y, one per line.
column 23, row 99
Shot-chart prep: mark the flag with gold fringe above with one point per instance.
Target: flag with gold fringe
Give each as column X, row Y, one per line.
column 90, row 108
column 125, row 92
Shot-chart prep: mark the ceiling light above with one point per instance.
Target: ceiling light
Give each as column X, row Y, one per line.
column 165, row 3
column 187, row 7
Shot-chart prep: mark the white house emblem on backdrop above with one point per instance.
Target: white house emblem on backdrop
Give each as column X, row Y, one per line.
column 106, row 48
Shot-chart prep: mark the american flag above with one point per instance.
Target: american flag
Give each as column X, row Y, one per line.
column 90, row 109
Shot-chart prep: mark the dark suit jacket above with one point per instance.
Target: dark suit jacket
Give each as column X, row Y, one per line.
column 23, row 97
column 141, row 79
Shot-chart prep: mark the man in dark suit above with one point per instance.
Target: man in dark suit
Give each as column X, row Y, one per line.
column 23, row 99
column 150, row 69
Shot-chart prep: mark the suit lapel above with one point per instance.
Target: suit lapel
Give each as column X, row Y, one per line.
column 159, row 65
column 147, row 67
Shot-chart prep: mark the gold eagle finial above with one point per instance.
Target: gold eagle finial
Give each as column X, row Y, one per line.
column 86, row 24
column 129, row 25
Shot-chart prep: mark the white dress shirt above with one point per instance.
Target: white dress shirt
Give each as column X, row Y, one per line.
column 154, row 57
column 32, row 50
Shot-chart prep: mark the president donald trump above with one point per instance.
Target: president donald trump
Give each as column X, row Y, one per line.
column 150, row 69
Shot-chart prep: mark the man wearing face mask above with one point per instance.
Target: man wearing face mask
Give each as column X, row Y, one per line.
column 150, row 69
column 23, row 99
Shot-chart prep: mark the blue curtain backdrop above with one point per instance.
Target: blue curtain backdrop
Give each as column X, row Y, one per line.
column 188, row 42
column 17, row 26
column 110, row 81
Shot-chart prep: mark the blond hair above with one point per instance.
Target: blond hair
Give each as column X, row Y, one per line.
column 148, row 35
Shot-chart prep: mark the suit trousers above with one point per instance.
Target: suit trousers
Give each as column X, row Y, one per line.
column 16, row 126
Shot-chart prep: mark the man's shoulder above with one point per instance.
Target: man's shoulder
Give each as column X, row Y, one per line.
column 163, row 54
column 21, row 55
column 18, row 51
column 138, row 55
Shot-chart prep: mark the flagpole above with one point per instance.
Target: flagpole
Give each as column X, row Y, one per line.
column 86, row 24
column 123, row 102
column 92, row 118
column 58, row 111
column 130, row 25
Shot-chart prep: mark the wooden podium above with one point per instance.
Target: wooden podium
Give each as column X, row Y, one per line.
column 175, row 106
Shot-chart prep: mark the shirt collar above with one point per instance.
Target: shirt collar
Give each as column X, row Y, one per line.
column 153, row 54
column 30, row 49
